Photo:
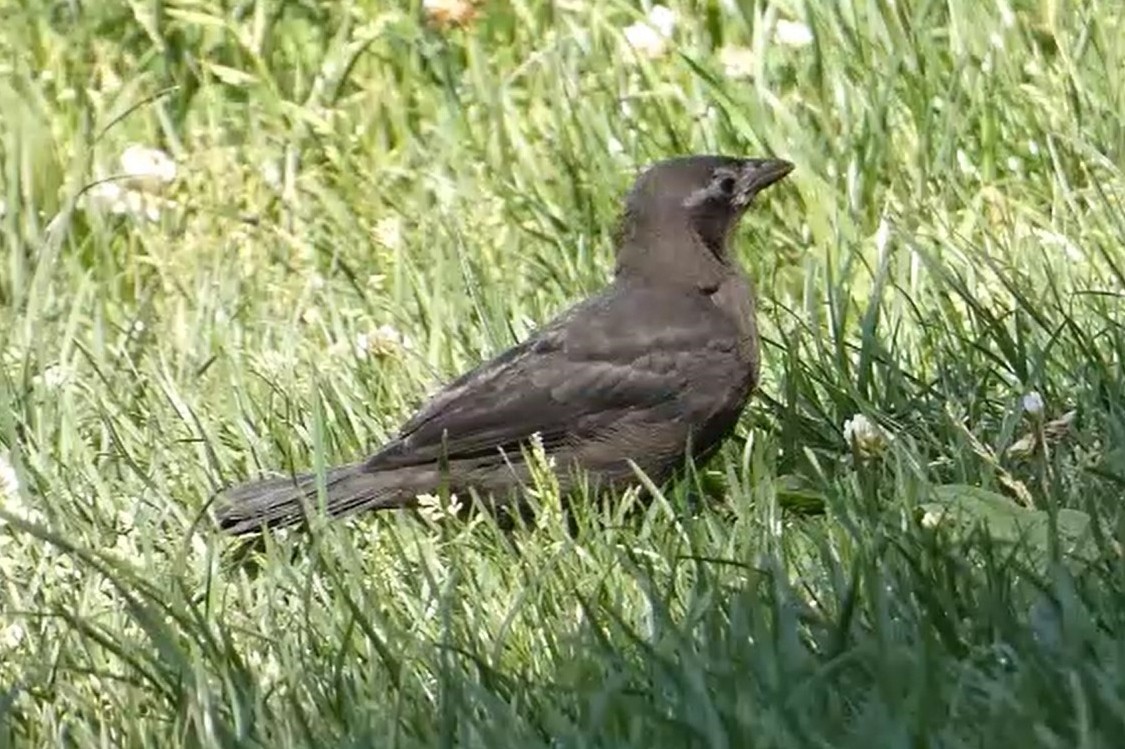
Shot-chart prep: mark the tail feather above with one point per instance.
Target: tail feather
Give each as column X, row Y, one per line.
column 287, row 500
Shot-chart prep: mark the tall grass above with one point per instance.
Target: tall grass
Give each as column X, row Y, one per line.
column 366, row 204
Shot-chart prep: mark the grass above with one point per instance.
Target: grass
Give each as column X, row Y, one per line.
column 951, row 241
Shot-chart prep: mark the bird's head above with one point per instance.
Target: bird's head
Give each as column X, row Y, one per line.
column 690, row 202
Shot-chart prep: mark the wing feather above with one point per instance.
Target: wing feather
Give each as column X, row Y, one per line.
column 604, row 361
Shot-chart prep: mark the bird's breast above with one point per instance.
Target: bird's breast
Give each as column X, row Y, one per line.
column 735, row 300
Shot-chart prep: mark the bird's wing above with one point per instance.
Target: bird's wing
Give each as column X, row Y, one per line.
column 606, row 359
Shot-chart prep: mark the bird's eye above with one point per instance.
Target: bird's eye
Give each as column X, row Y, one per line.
column 726, row 184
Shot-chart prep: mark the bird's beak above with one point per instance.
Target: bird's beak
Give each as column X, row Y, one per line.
column 758, row 174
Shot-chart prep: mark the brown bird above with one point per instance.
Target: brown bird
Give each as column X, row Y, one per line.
column 654, row 369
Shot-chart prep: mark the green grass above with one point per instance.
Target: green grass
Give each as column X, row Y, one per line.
column 953, row 238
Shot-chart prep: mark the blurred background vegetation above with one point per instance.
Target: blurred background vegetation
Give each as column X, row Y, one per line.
column 249, row 236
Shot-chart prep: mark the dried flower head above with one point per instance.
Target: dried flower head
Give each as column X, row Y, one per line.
column 449, row 12
column 866, row 437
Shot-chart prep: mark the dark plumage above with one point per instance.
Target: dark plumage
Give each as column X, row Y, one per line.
column 663, row 357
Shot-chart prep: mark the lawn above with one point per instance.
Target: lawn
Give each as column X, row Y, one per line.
column 914, row 539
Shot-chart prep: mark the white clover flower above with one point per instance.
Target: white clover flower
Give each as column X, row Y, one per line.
column 385, row 340
column 125, row 545
column 865, row 436
column 363, row 343
column 337, row 348
column 882, row 235
column 12, row 635
column 9, row 481
column 53, row 377
column 444, row 189
column 110, row 196
column 265, row 668
column 645, row 40
column 271, row 174
column 650, row 37
column 663, row 19
column 737, row 62
column 10, row 498
column 1033, row 404
column 145, row 172
column 932, row 518
column 1072, row 251
column 388, row 232
column 965, row 164
column 139, row 204
column 107, row 196
column 147, row 168
column 792, row 33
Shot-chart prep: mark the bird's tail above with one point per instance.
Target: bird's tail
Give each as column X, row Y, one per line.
column 288, row 500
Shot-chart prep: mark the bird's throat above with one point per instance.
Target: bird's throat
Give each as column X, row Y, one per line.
column 663, row 259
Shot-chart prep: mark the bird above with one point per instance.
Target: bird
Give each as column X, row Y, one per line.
column 650, row 372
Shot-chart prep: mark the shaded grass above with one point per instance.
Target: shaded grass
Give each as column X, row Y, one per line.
column 950, row 241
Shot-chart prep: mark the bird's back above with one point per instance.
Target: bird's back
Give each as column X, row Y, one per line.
column 632, row 373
